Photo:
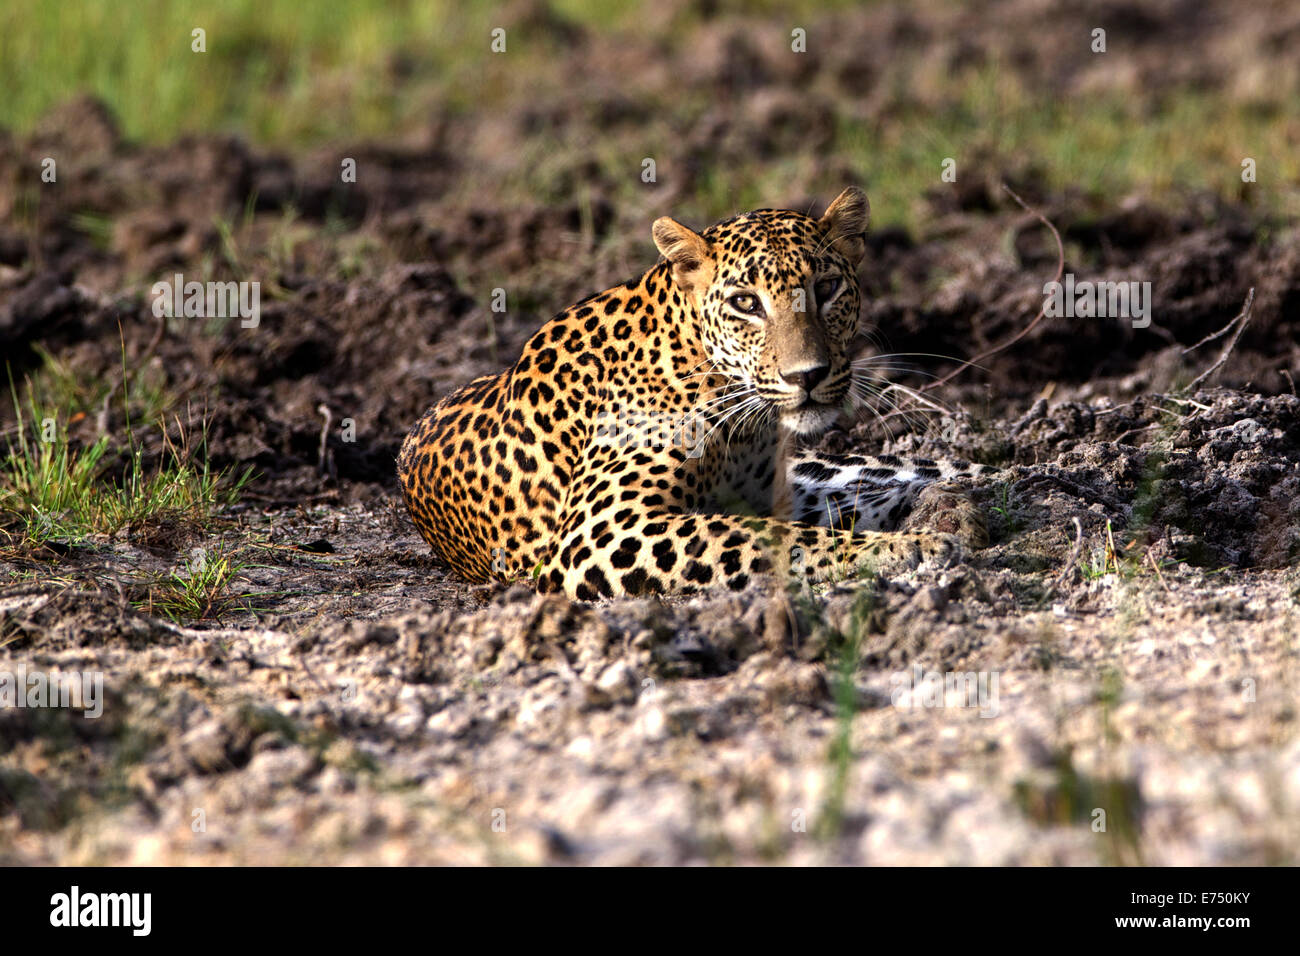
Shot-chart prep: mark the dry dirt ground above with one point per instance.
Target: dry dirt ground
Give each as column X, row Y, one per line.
column 1131, row 632
column 380, row 712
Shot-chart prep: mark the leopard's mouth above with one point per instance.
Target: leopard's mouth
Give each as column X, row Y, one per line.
column 809, row 418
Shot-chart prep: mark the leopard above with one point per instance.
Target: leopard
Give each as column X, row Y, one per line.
column 652, row 438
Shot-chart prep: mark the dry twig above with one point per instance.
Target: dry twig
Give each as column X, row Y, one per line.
column 1060, row 270
column 1242, row 320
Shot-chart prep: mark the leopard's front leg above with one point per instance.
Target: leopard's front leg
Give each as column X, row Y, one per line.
column 627, row 552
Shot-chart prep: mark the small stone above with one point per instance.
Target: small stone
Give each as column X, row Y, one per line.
column 618, row 683
column 931, row 599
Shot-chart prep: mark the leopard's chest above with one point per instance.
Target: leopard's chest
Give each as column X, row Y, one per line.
column 738, row 470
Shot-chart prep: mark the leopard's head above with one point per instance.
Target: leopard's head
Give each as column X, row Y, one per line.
column 776, row 300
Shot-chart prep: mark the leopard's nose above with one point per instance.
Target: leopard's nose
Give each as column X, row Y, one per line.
column 808, row 378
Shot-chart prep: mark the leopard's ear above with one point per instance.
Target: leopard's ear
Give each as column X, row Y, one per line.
column 686, row 249
column 845, row 223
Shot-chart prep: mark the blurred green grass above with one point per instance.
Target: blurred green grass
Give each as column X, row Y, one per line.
column 1107, row 146
column 291, row 75
column 279, row 72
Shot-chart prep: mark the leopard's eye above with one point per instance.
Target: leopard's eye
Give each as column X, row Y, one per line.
column 745, row 302
column 826, row 288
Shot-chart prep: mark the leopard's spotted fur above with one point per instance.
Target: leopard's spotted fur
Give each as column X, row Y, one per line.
column 613, row 456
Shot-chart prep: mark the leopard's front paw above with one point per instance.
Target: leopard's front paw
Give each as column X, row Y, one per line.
column 940, row 550
column 898, row 552
column 947, row 509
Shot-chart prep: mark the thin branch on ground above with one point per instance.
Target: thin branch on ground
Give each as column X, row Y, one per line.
column 1242, row 320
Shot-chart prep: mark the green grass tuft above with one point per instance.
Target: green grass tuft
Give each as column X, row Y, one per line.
column 200, row 589
column 54, row 489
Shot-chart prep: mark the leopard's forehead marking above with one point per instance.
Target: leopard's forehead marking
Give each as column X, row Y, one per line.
column 768, row 247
